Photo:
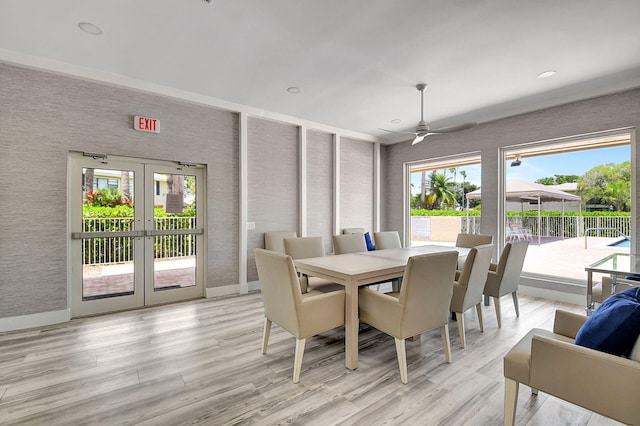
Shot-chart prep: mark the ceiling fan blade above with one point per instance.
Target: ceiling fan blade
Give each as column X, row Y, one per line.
column 452, row 129
column 418, row 139
column 393, row 131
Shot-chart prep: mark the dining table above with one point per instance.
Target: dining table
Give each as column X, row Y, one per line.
column 353, row 270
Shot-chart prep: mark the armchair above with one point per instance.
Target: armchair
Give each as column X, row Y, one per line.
column 551, row 362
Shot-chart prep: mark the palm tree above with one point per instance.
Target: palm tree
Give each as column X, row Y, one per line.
column 463, row 173
column 442, row 193
column 423, row 189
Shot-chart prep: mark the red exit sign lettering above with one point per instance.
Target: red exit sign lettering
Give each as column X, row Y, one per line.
column 146, row 124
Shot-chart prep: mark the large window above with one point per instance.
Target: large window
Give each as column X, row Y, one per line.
column 571, row 200
column 438, row 203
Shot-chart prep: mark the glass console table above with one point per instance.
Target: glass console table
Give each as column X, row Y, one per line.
column 616, row 265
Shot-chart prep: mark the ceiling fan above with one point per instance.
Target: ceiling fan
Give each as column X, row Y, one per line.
column 423, row 130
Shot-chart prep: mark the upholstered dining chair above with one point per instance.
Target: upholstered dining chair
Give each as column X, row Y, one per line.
column 473, row 240
column 386, row 240
column 274, row 240
column 305, row 247
column 348, row 243
column 303, row 315
column 421, row 305
column 354, row 231
column 468, row 286
column 503, row 278
column 469, row 241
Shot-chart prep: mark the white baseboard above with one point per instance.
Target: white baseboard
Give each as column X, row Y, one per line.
column 34, row 320
column 229, row 290
column 558, row 296
column 226, row 290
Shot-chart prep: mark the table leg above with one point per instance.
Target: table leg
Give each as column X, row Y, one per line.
column 351, row 325
column 590, row 304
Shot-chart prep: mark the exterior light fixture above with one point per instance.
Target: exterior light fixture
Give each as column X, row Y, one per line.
column 516, row 162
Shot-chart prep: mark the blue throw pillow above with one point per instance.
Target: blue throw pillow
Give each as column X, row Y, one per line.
column 615, row 325
column 367, row 239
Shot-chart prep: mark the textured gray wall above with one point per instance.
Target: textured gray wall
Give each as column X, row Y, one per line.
column 320, row 186
column 598, row 114
column 272, row 182
column 43, row 116
column 356, row 184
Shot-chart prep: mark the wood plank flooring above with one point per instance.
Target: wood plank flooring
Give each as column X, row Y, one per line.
column 199, row 362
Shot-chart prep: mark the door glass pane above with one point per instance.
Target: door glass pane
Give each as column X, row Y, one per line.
column 174, row 214
column 108, row 207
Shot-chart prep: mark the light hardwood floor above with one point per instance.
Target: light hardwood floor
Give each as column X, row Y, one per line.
column 199, row 362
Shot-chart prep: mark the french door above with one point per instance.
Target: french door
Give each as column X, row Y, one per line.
column 137, row 232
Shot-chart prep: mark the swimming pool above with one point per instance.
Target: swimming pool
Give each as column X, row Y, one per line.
column 626, row 242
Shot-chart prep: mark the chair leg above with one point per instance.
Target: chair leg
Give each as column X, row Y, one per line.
column 446, row 342
column 510, row 401
column 515, row 303
column 402, row 359
column 496, row 301
column 297, row 362
column 265, row 335
column 460, row 318
column 479, row 312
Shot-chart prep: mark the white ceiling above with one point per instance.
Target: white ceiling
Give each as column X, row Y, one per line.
column 356, row 62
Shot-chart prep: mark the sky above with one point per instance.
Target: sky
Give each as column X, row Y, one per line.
column 534, row 168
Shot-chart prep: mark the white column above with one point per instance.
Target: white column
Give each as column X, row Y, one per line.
column 244, row 204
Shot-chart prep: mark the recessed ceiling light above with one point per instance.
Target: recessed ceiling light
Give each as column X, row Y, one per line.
column 293, row 89
column 546, row 74
column 90, row 28
column 396, row 120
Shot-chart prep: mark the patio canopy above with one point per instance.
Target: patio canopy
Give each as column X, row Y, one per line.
column 523, row 191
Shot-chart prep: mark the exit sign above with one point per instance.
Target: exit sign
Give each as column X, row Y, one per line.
column 146, row 124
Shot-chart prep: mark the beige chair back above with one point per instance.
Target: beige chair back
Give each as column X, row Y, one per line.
column 274, row 240
column 304, row 247
column 473, row 240
column 386, row 240
column 353, row 231
column 350, row 243
column 510, row 266
column 426, row 292
column 473, row 277
column 280, row 289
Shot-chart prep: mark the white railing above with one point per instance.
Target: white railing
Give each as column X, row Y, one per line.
column 117, row 249
column 550, row 226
